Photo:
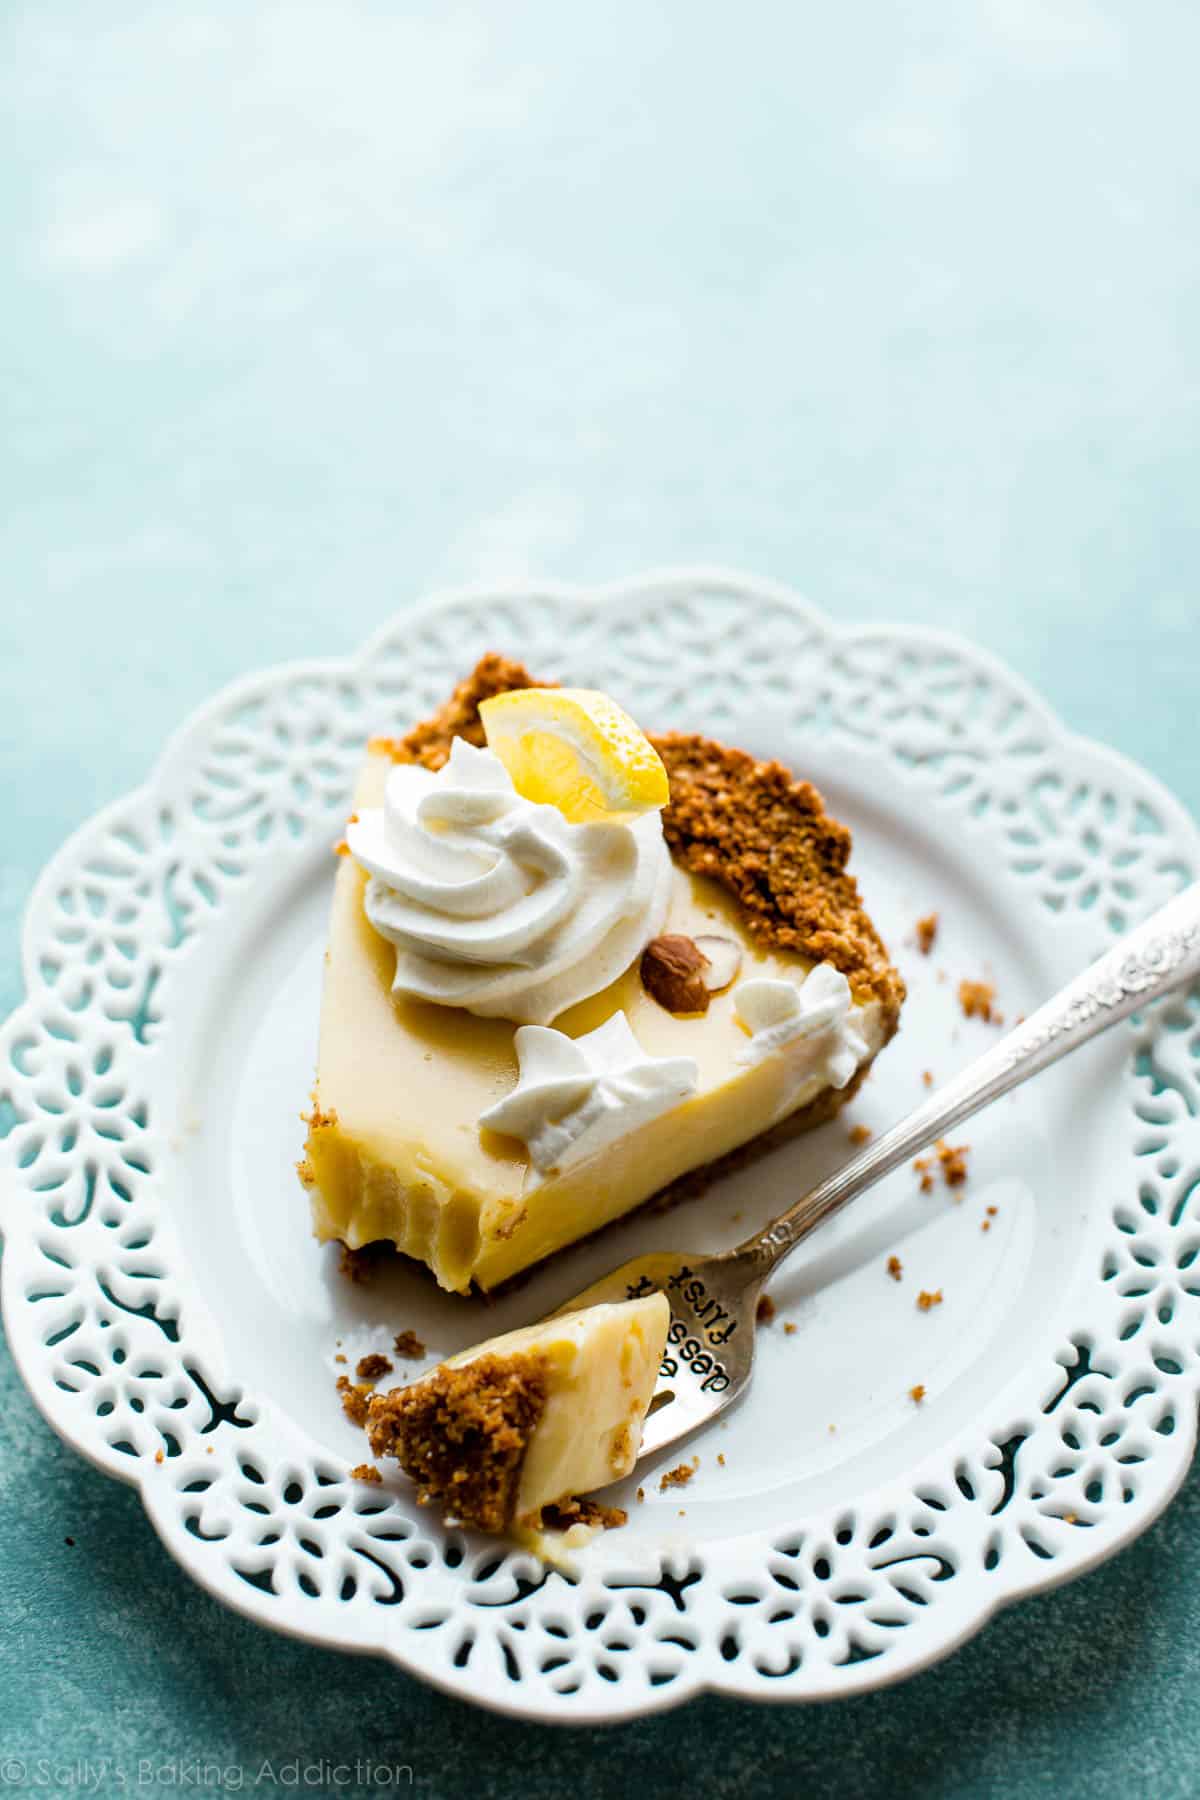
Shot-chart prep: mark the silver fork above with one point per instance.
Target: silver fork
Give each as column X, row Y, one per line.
column 710, row 1344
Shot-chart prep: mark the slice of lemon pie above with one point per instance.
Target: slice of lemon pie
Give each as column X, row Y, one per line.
column 569, row 968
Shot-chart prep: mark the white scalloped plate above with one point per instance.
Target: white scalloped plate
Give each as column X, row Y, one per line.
column 176, row 1323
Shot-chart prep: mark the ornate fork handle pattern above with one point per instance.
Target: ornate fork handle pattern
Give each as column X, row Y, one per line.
column 1162, row 954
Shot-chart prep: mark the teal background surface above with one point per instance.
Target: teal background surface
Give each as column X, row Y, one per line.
column 309, row 308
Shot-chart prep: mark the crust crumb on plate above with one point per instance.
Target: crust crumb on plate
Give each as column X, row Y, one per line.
column 952, row 1160
column 927, row 930
column 977, row 999
column 679, row 1476
column 764, row 1312
column 366, row 1472
column 408, row 1346
column 926, row 1301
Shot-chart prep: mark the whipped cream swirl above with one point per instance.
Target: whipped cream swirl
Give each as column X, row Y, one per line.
column 575, row 1096
column 498, row 904
column 817, row 1014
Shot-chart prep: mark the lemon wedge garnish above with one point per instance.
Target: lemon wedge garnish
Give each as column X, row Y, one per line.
column 576, row 749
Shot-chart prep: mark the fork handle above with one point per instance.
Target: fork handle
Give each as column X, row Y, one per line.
column 1162, row 954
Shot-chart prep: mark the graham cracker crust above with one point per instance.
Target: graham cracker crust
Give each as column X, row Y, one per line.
column 462, row 1434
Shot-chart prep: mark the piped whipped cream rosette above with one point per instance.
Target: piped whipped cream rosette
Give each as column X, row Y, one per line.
column 497, row 903
column 816, row 1014
column 576, row 1095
